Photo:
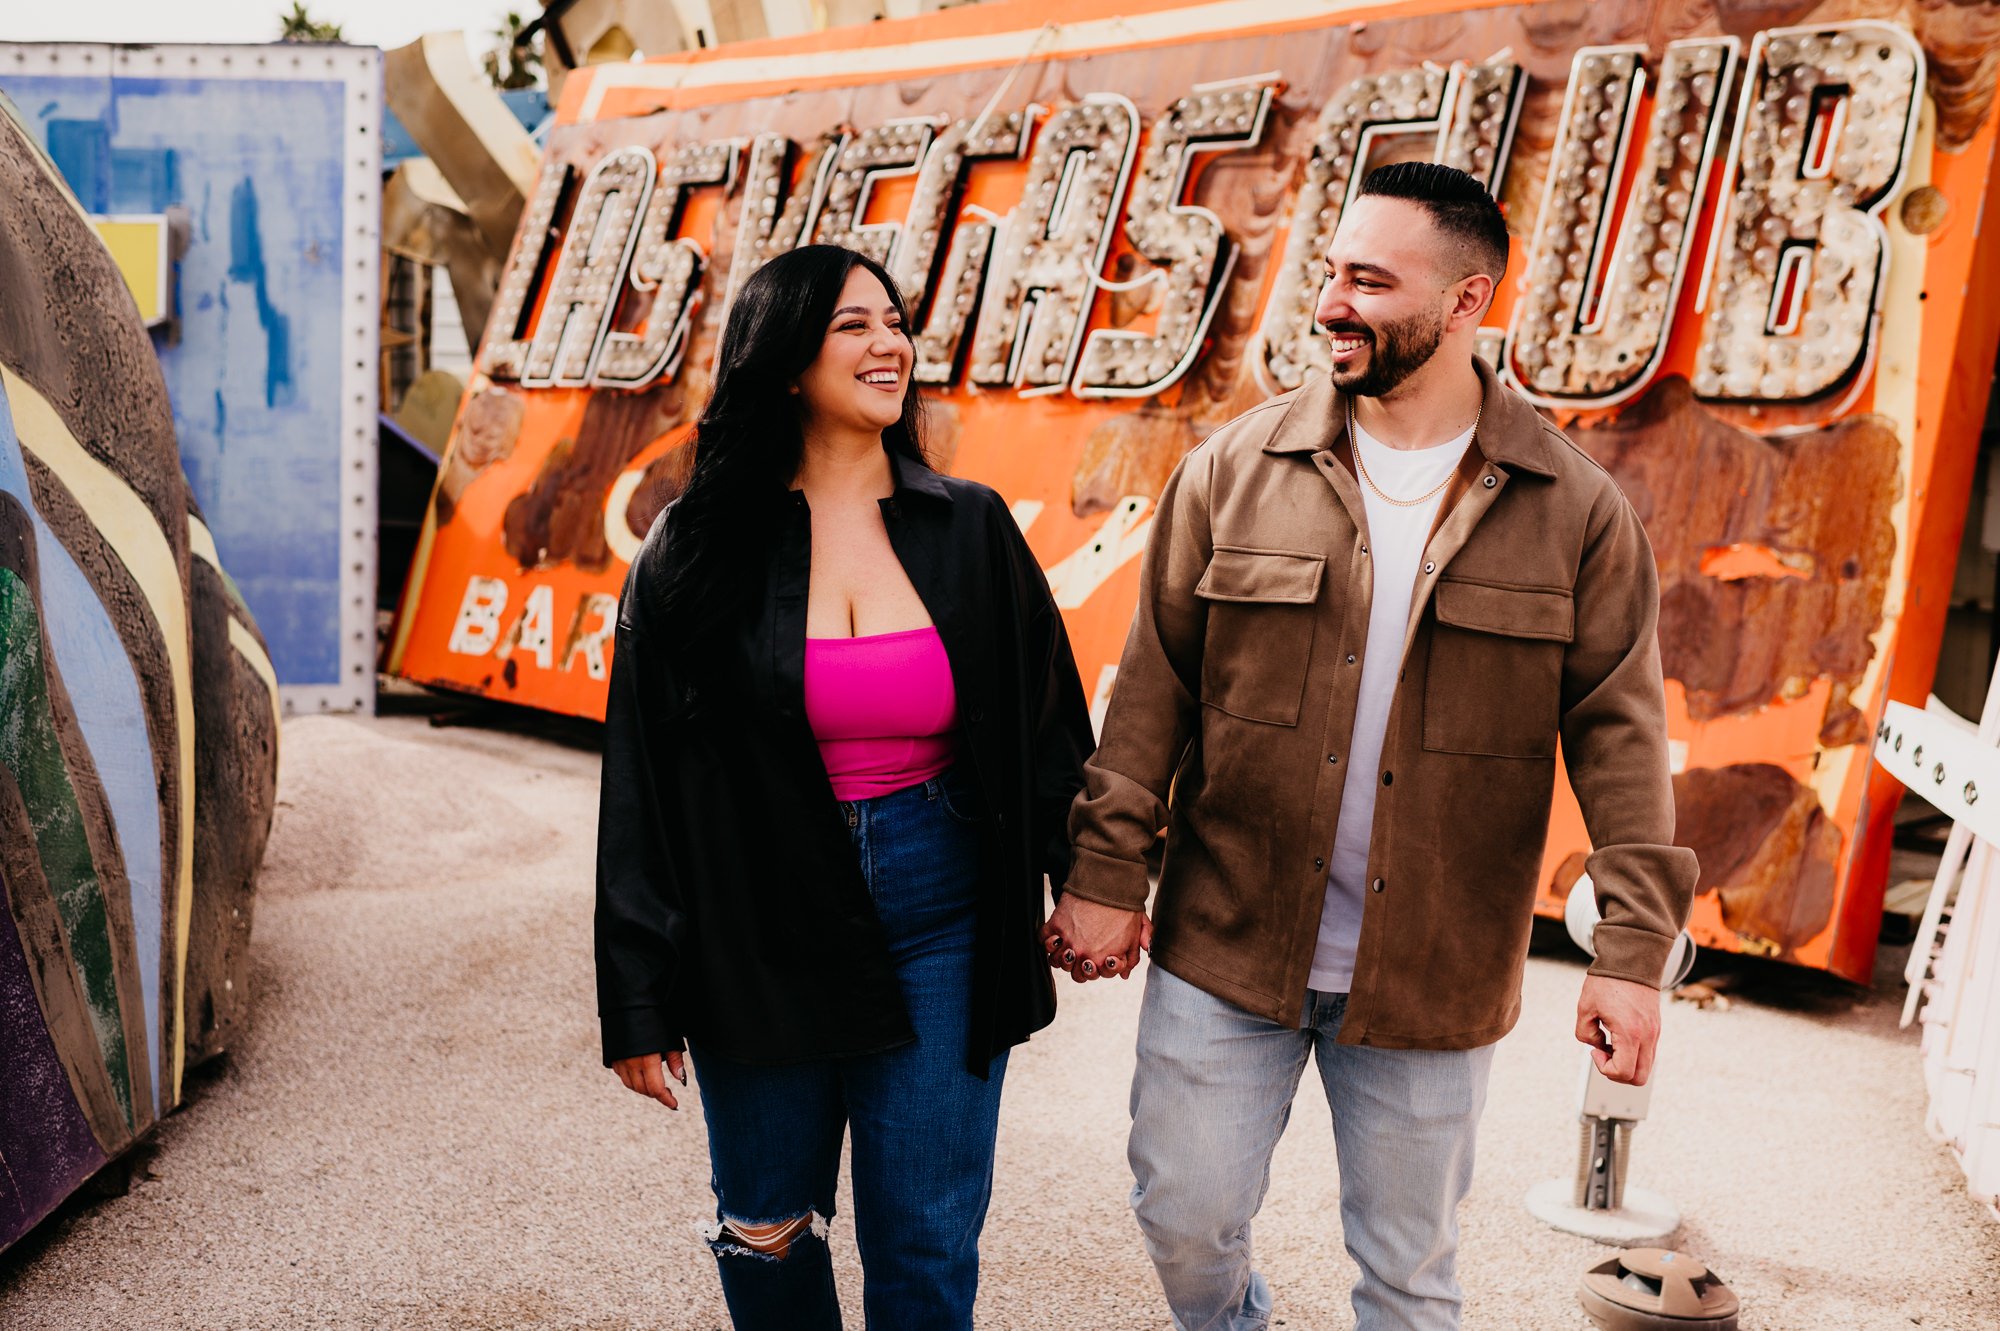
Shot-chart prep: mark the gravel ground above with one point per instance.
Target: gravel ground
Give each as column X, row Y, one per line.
column 417, row 1133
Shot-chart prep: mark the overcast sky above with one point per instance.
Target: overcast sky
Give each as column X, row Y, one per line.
column 384, row 23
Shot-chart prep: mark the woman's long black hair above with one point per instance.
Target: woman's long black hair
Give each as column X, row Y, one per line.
column 750, row 441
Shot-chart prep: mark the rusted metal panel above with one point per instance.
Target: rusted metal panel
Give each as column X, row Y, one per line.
column 1744, row 240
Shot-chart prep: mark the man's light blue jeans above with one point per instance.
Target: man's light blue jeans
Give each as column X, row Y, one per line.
column 1210, row 1099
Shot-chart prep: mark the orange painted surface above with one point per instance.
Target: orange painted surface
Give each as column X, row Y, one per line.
column 1033, row 448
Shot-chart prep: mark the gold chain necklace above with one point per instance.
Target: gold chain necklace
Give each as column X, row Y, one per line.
column 1355, row 438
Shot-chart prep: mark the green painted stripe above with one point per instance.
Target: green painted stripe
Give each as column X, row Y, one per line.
column 30, row 749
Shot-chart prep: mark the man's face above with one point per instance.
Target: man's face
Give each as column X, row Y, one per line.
column 1386, row 303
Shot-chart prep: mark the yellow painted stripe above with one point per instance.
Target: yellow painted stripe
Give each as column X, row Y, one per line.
column 138, row 540
column 246, row 644
column 201, row 543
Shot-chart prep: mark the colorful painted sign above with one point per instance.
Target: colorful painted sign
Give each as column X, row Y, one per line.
column 1743, row 251
column 138, row 759
column 271, row 319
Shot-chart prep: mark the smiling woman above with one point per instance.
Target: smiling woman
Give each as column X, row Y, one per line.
column 843, row 732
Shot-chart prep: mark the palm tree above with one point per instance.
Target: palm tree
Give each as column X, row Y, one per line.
column 522, row 68
column 299, row 26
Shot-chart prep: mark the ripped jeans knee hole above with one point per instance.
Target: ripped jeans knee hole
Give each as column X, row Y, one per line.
column 769, row 1241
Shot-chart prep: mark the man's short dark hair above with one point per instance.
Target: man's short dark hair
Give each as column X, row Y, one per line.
column 1457, row 203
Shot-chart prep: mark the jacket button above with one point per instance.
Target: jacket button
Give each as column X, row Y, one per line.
column 1318, row 863
column 1350, row 658
column 1364, row 547
column 1333, row 757
column 1429, row 567
column 977, row 716
column 1489, row 482
column 1377, row 885
column 1388, row 778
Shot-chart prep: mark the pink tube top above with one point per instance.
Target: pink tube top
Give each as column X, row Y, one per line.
column 883, row 709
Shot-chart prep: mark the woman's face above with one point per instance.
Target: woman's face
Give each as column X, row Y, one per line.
column 858, row 379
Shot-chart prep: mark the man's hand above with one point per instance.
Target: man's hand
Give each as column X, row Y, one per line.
column 1089, row 940
column 1630, row 1015
column 642, row 1074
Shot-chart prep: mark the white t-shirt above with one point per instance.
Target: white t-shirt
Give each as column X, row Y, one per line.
column 1396, row 539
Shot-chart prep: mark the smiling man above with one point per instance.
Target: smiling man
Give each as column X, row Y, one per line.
column 1369, row 610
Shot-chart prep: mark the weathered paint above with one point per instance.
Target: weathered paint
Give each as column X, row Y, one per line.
column 109, row 711
column 31, row 750
column 1799, row 194
column 132, row 531
column 138, row 718
column 246, row 268
column 271, row 159
column 46, row 1146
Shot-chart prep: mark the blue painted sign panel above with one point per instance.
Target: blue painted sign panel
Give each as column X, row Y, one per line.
column 270, row 158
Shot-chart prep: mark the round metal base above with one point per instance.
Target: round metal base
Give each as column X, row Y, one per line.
column 1604, row 1313
column 1645, row 1220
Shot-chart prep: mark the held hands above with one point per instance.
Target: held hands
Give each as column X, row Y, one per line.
column 642, row 1074
column 1620, row 1021
column 1090, row 940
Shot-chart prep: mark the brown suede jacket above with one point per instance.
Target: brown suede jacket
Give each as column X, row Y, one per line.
column 1534, row 616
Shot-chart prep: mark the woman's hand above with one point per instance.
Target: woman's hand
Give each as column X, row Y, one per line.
column 643, row 1074
column 1090, row 940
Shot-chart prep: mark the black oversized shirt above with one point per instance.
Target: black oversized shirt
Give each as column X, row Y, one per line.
column 730, row 903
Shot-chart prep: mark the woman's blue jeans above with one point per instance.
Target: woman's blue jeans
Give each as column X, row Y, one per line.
column 923, row 1127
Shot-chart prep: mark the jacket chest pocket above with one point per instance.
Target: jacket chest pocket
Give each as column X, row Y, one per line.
column 1494, row 682
column 1262, row 606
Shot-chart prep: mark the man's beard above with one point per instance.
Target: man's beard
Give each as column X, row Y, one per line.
column 1395, row 352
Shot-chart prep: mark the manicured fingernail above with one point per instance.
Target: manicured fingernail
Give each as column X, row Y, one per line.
column 1089, row 968
column 683, row 1074
column 1069, row 957
column 1110, row 964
